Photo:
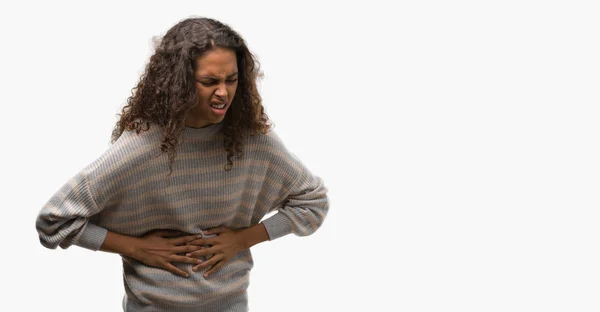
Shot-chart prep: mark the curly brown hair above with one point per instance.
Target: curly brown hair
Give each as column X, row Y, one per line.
column 166, row 90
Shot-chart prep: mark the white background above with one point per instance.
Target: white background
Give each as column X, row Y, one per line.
column 459, row 141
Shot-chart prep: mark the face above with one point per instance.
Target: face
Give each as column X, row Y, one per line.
column 216, row 77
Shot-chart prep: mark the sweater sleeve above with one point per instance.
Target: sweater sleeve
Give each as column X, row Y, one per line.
column 64, row 219
column 305, row 203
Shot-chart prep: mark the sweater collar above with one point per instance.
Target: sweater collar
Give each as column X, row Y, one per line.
column 205, row 131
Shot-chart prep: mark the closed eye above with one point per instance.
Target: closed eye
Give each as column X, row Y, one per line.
column 209, row 83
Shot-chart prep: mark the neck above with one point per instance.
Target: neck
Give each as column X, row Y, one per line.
column 196, row 123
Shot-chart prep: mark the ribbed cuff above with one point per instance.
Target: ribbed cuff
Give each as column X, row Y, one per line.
column 92, row 237
column 277, row 226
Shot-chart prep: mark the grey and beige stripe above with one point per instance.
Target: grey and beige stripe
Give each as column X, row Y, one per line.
column 128, row 190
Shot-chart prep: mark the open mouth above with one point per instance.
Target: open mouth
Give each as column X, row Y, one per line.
column 218, row 106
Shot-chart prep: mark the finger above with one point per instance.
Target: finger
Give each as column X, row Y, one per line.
column 198, row 242
column 205, row 241
column 216, row 230
column 167, row 233
column 206, row 264
column 196, row 249
column 184, row 239
column 171, row 268
column 214, row 268
column 201, row 253
column 185, row 249
column 183, row 259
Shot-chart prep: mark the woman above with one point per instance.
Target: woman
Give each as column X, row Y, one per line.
column 193, row 169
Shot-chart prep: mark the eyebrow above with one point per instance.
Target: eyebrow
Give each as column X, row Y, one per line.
column 213, row 77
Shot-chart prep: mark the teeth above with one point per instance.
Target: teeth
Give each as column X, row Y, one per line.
column 218, row 106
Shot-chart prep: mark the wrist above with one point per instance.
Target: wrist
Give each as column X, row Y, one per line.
column 130, row 247
column 119, row 244
column 253, row 235
column 243, row 240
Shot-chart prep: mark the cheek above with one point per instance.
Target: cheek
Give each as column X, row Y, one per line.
column 231, row 90
column 203, row 94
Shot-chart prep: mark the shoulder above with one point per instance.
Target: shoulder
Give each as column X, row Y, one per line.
column 268, row 144
column 151, row 135
column 270, row 147
column 129, row 150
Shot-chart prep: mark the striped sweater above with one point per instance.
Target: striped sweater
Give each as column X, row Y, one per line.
column 128, row 190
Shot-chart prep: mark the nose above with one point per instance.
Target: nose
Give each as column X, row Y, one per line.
column 221, row 91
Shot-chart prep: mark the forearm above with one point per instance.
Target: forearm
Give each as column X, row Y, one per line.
column 118, row 243
column 64, row 219
column 254, row 235
column 304, row 210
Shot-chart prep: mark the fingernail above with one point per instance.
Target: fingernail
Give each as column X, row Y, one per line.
column 194, row 269
column 199, row 261
column 188, row 254
column 187, row 275
column 206, row 275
